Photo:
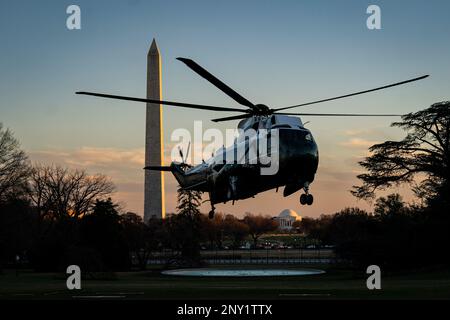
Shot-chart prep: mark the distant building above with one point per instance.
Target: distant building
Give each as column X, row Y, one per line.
column 286, row 219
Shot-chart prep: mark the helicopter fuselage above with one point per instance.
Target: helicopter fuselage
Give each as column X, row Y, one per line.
column 294, row 160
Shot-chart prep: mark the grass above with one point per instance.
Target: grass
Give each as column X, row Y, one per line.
column 335, row 284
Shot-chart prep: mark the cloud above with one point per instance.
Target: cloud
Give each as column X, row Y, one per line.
column 124, row 166
column 366, row 132
column 351, row 133
column 90, row 156
column 334, row 173
column 358, row 143
column 330, row 188
column 130, row 187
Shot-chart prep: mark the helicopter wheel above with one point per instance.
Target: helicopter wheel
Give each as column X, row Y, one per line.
column 303, row 199
column 309, row 199
column 211, row 213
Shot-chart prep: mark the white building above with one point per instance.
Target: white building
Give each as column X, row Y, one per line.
column 286, row 219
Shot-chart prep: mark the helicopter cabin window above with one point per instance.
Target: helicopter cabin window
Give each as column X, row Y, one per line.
column 277, row 126
column 281, row 121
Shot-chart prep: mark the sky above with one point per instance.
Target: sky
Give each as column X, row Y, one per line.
column 278, row 53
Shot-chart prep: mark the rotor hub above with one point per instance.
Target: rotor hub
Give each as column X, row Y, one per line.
column 262, row 109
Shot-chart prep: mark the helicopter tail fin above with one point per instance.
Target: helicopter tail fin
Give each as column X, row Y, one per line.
column 175, row 168
column 179, row 172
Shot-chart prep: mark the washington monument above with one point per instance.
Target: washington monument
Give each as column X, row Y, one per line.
column 154, row 148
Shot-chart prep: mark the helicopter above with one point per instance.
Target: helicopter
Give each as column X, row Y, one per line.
column 230, row 178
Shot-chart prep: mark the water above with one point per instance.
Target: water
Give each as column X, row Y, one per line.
column 207, row 272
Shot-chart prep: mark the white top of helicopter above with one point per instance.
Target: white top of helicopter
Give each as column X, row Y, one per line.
column 272, row 122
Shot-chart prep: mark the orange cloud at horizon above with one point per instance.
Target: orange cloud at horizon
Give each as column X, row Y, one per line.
column 331, row 187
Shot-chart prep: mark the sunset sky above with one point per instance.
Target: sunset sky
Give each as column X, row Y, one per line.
column 278, row 53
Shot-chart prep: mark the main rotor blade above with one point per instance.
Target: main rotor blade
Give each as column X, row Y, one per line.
column 339, row 114
column 158, row 168
column 242, row 116
column 168, row 103
column 216, row 82
column 354, row 94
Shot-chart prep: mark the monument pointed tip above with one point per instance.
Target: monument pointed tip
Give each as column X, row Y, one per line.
column 153, row 48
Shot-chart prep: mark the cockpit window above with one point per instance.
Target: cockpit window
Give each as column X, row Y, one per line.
column 281, row 126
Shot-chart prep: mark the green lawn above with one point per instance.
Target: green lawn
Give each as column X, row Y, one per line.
column 335, row 284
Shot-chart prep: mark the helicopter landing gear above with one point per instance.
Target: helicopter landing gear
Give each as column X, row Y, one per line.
column 309, row 199
column 303, row 199
column 306, row 198
column 212, row 212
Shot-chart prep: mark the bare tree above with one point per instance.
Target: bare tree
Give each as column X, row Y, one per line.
column 59, row 192
column 258, row 225
column 235, row 229
column 14, row 166
column 213, row 229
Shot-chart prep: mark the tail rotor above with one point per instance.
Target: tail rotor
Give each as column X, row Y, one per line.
column 183, row 157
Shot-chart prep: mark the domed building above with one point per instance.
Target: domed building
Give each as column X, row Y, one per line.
column 286, row 219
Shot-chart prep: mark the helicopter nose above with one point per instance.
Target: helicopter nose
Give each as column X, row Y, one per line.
column 298, row 150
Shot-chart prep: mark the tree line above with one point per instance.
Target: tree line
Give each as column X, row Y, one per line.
column 394, row 236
